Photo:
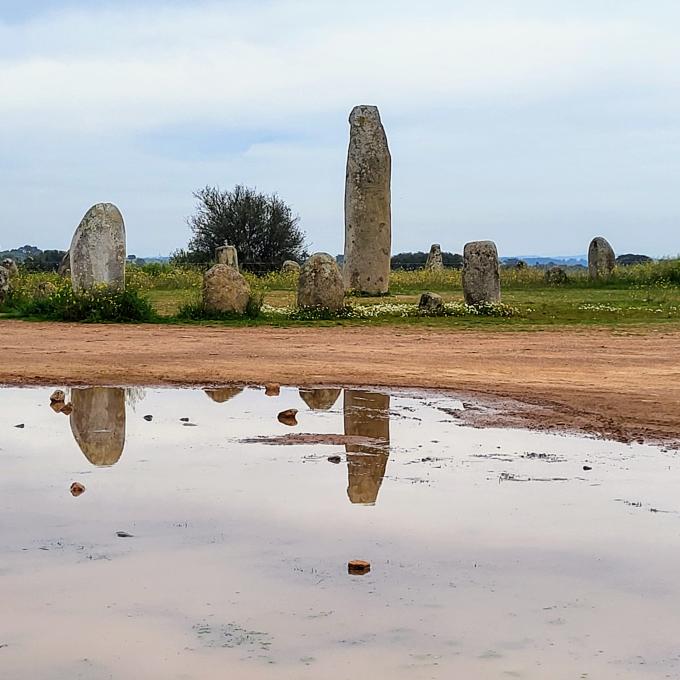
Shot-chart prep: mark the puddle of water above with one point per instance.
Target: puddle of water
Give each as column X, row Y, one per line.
column 493, row 553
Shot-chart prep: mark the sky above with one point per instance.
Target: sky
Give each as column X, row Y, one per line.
column 535, row 123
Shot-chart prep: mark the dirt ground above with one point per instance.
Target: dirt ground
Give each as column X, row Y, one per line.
column 621, row 383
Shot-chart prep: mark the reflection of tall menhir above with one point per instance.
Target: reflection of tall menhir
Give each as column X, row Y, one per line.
column 367, row 414
column 98, row 423
column 368, row 220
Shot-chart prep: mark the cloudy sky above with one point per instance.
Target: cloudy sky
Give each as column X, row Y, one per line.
column 535, row 123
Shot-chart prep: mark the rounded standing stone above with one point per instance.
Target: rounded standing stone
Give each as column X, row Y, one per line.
column 481, row 273
column 434, row 258
column 225, row 290
column 97, row 252
column 368, row 220
column 320, row 284
column 601, row 259
column 290, row 266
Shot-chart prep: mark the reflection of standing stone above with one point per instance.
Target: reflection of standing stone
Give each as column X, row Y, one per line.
column 320, row 284
column 227, row 255
column 223, row 394
column 368, row 221
column 481, row 275
column 367, row 414
column 290, row 266
column 601, row 259
column 434, row 258
column 319, row 399
column 225, row 290
column 97, row 251
column 98, row 423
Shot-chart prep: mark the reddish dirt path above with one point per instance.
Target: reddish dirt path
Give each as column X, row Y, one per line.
column 621, row 383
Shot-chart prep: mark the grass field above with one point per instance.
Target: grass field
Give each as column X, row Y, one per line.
column 644, row 294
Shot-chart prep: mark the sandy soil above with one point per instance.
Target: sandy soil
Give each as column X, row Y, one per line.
column 623, row 384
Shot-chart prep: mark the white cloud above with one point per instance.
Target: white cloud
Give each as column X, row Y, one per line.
column 501, row 121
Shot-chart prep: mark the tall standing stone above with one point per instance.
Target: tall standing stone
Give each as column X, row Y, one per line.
column 97, row 252
column 481, row 273
column 227, row 255
column 320, row 284
column 368, row 220
column 434, row 259
column 601, row 259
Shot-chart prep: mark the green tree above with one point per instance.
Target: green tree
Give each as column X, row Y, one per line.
column 263, row 228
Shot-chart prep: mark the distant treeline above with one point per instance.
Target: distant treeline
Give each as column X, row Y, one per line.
column 417, row 260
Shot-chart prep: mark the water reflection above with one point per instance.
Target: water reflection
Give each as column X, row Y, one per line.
column 319, row 399
column 98, row 423
column 223, row 394
column 366, row 415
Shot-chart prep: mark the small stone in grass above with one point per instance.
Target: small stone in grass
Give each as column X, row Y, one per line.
column 358, row 567
column 77, row 489
column 334, row 459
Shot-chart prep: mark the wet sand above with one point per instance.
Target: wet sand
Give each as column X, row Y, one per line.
column 618, row 383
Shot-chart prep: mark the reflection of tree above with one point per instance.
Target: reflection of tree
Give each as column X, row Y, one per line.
column 134, row 395
column 319, row 399
column 223, row 394
column 98, row 423
column 366, row 415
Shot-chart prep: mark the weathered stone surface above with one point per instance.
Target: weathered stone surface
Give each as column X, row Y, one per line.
column 290, row 266
column 434, row 258
column 556, row 276
column 366, row 414
column 320, row 284
column 227, row 255
column 223, row 394
column 601, row 259
column 320, row 399
column 368, row 221
column 225, row 290
column 64, row 268
column 97, row 252
column 10, row 265
column 98, row 423
column 431, row 303
column 481, row 274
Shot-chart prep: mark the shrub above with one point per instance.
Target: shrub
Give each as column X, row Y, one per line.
column 96, row 305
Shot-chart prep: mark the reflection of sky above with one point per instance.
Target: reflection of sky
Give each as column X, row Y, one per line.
column 463, row 564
